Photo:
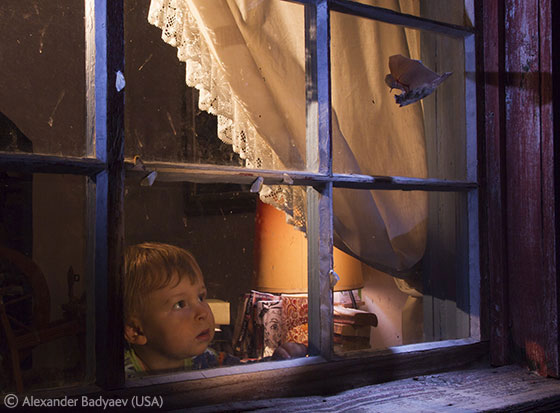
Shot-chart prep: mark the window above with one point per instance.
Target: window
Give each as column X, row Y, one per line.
column 46, row 282
column 346, row 163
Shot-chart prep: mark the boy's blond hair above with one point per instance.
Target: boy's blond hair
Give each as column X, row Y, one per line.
column 151, row 266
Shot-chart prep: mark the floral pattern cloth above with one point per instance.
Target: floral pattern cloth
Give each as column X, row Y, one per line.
column 294, row 318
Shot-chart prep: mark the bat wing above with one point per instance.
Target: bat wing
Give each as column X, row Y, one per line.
column 413, row 78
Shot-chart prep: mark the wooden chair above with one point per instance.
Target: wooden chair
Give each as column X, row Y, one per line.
column 20, row 337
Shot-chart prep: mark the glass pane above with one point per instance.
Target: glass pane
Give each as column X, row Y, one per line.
column 244, row 249
column 413, row 250
column 44, row 282
column 446, row 11
column 42, row 104
column 245, row 100
column 375, row 135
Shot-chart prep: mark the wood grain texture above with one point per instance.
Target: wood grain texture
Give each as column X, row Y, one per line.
column 317, row 379
column 504, row 389
column 530, row 294
column 319, row 158
column 519, row 174
column 481, row 227
column 549, row 190
column 555, row 144
column 493, row 181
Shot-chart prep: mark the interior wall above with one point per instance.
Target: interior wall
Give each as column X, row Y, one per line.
column 59, row 236
column 382, row 297
column 59, row 233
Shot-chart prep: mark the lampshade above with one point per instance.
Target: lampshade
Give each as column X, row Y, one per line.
column 281, row 257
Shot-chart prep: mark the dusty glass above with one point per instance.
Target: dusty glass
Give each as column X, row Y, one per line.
column 399, row 100
column 228, row 89
column 415, row 267
column 446, row 11
column 45, row 285
column 42, row 104
column 253, row 266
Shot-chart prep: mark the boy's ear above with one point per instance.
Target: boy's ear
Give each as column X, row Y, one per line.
column 133, row 332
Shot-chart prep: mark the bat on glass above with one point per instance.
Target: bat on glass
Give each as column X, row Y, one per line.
column 414, row 79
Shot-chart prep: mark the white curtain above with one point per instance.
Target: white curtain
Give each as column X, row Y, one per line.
column 247, row 59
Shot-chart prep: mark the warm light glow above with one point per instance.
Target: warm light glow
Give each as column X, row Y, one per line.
column 281, row 257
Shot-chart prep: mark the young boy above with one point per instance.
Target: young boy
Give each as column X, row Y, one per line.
column 168, row 323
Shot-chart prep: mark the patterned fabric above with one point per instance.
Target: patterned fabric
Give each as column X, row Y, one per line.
column 298, row 334
column 294, row 318
column 249, row 331
column 134, row 367
column 270, row 318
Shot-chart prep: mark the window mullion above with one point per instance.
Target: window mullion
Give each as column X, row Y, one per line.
column 107, row 115
column 319, row 158
column 473, row 277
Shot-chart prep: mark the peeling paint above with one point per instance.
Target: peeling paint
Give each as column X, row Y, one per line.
column 257, row 184
column 120, row 82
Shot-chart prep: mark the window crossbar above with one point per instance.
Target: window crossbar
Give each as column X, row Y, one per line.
column 393, row 17
column 203, row 173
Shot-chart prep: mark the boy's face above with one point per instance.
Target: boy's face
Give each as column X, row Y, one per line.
column 177, row 321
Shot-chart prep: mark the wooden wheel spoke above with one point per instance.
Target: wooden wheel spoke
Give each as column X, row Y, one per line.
column 17, row 300
column 19, row 323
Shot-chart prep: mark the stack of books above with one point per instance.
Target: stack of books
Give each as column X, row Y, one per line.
column 352, row 328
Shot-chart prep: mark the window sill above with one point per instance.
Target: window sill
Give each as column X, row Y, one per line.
column 482, row 389
column 293, row 378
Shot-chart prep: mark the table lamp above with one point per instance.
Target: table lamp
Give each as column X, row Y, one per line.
column 281, row 257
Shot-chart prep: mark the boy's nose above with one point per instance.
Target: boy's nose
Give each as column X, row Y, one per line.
column 202, row 312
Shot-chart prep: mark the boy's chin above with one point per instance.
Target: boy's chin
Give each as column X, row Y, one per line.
column 196, row 350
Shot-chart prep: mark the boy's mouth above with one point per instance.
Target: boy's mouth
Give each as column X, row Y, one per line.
column 205, row 335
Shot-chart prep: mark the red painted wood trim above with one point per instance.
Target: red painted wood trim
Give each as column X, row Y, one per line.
column 493, row 180
column 524, row 209
column 548, row 187
column 532, row 283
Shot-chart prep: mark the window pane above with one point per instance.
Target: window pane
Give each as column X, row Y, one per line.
column 44, row 282
column 246, row 102
column 42, row 104
column 414, row 262
column 446, row 11
column 254, row 267
column 372, row 133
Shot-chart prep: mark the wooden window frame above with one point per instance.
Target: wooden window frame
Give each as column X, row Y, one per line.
column 106, row 168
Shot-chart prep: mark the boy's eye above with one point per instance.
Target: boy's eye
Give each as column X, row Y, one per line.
column 202, row 297
column 180, row 304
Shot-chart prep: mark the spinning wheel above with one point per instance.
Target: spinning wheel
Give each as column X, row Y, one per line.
column 23, row 330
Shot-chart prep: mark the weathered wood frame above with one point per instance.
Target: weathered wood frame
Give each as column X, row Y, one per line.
column 520, row 173
column 105, row 141
column 106, row 172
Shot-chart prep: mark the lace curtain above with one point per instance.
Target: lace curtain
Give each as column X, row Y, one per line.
column 246, row 58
